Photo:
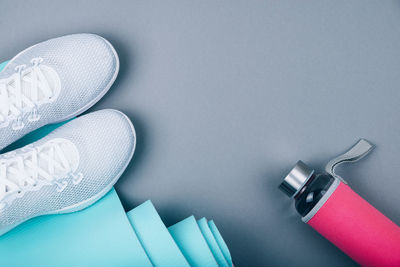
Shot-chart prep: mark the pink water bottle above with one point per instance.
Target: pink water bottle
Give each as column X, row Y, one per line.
column 333, row 209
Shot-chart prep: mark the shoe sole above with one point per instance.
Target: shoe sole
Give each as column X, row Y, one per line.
column 88, row 202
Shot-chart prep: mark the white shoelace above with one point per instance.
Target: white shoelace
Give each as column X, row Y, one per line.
column 27, row 169
column 14, row 99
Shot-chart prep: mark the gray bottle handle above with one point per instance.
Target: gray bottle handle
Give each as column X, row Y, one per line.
column 357, row 152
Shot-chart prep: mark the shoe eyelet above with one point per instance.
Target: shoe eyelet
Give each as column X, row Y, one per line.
column 19, row 68
column 4, row 123
column 77, row 178
column 18, row 124
column 33, row 117
column 61, row 186
column 36, row 61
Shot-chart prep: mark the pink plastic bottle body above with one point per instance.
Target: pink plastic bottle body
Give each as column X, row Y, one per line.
column 358, row 229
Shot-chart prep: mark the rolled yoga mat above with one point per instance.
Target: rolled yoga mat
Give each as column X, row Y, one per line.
column 187, row 243
column 191, row 241
column 104, row 235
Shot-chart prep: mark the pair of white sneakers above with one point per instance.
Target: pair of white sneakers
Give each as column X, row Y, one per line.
column 79, row 162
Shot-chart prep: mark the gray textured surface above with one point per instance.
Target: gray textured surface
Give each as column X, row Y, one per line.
column 227, row 96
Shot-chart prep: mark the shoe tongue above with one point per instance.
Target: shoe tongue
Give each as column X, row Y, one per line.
column 70, row 153
column 26, row 89
column 27, row 86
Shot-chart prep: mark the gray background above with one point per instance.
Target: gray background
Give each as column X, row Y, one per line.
column 227, row 95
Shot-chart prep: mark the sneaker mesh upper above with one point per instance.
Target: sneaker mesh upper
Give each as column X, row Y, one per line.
column 86, row 65
column 105, row 140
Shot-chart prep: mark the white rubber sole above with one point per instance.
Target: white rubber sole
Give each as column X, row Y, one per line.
column 88, row 202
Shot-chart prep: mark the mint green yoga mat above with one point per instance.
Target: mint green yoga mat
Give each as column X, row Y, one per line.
column 197, row 247
column 212, row 243
column 154, row 236
column 98, row 236
column 190, row 240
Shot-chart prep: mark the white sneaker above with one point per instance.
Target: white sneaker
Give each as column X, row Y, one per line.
column 54, row 81
column 67, row 170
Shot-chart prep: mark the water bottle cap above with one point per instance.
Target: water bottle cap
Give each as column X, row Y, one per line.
column 296, row 179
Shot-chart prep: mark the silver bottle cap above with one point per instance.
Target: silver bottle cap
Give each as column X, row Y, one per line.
column 296, row 179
